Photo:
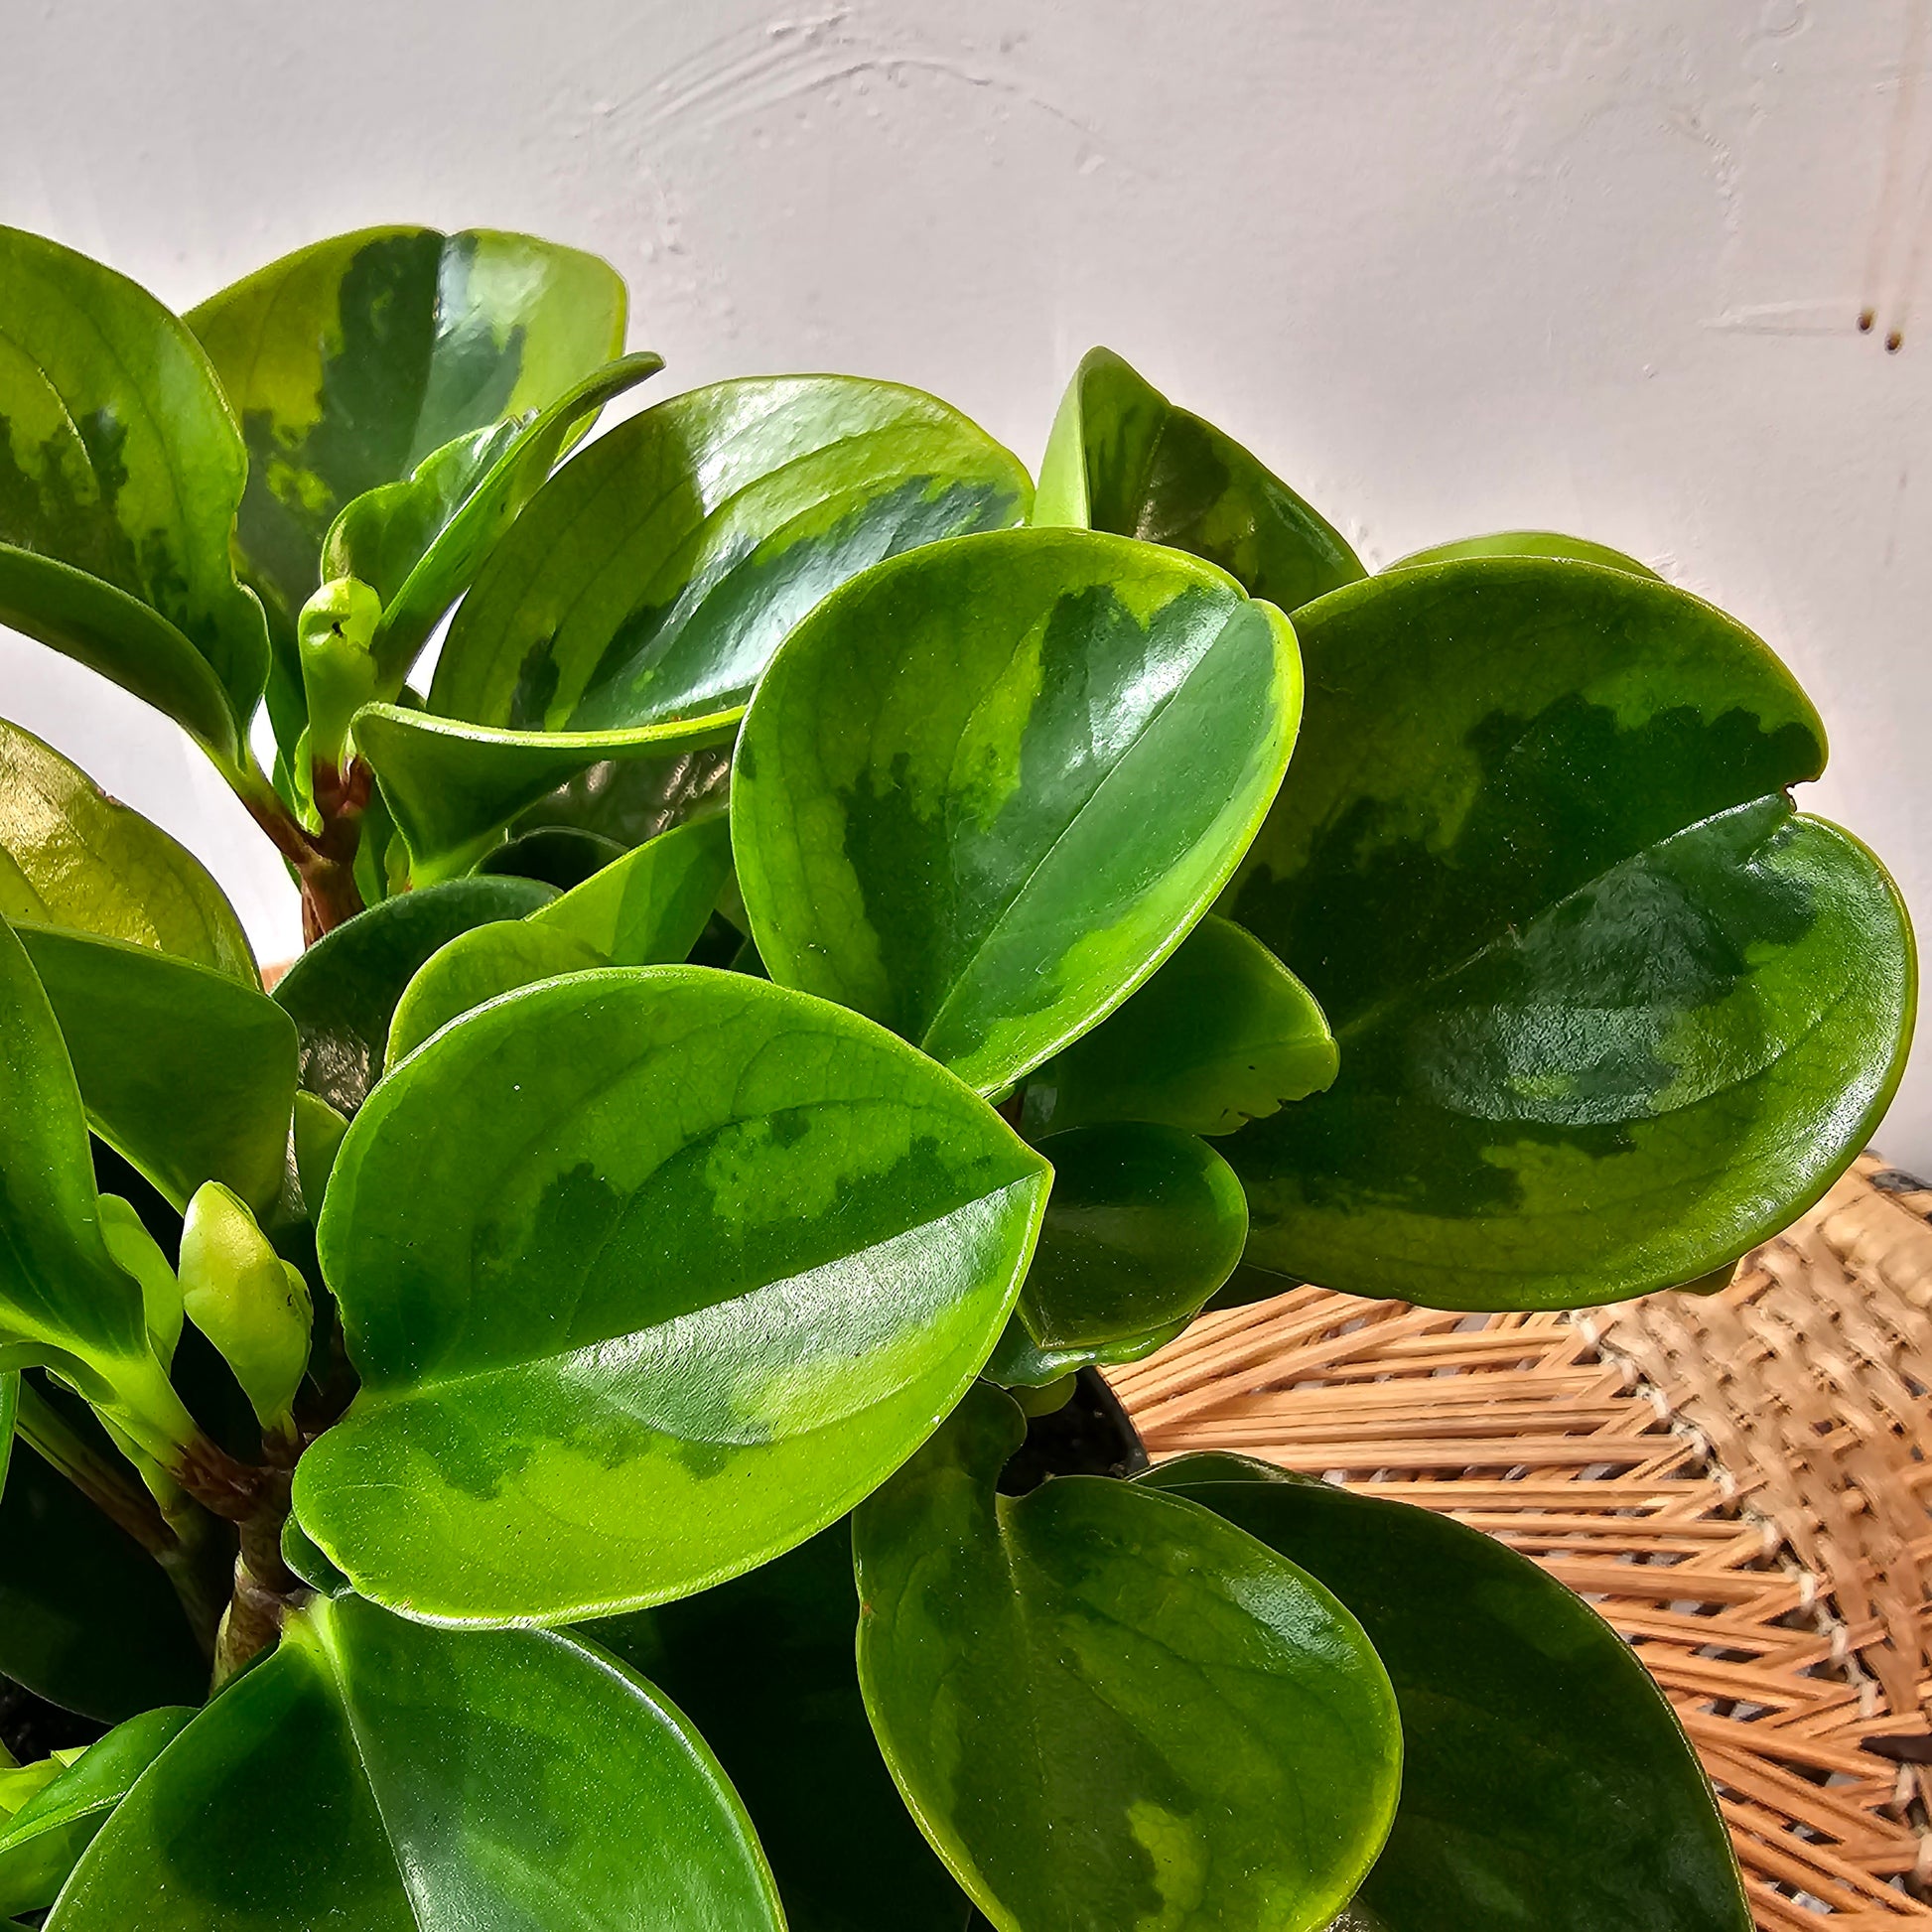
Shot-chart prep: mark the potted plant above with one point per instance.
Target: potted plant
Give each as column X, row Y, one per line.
column 580, row 1408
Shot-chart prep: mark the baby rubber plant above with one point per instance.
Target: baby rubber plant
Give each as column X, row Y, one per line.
column 583, row 1408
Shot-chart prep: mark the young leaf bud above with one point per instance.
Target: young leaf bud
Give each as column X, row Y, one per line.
column 334, row 633
column 246, row 1299
column 137, row 1253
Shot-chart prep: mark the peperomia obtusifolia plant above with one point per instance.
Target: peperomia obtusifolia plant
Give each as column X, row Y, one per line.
column 582, row 1407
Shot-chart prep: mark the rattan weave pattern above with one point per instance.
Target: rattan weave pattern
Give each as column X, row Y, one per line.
column 1743, row 1485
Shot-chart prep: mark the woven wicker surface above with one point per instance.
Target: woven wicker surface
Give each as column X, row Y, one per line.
column 1741, row 1485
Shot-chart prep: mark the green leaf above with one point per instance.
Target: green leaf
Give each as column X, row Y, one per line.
column 630, row 800
column 92, row 864
column 185, row 1072
column 63, row 1303
column 43, row 1839
column 649, row 907
column 646, row 910
column 9, row 1403
column 985, row 789
column 559, row 855
column 1610, row 1015
column 1547, row 1784
column 121, row 470
column 342, row 992
column 1526, row 543
column 453, row 786
column 636, row 601
column 480, row 965
column 88, row 1619
column 639, row 1173
column 421, row 542
column 1123, row 458
column 1144, row 1223
column 377, row 1776
column 1108, row 1708
column 1224, row 1034
column 350, row 362
column 764, row 1666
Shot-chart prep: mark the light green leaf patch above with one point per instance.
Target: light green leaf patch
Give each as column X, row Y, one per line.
column 1106, row 1708
column 70, row 856
column 984, row 791
column 1609, row 1013
column 376, row 1774
column 708, row 1259
column 1123, row 458
column 121, row 470
column 1525, row 543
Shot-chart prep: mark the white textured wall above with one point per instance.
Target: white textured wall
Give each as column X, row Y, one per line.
column 1449, row 265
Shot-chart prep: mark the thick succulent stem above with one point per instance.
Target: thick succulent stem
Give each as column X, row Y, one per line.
column 324, row 862
column 107, row 1485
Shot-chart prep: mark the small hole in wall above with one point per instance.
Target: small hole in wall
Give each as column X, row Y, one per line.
column 1867, row 317
column 1894, row 342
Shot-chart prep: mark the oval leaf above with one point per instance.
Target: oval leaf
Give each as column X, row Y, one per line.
column 1608, row 1014
column 1224, row 1034
column 374, row 1774
column 478, row 966
column 1547, row 1784
column 986, row 788
column 44, row 1839
column 421, row 542
column 88, row 1619
column 1144, row 1223
column 1526, row 543
column 1106, row 1708
column 630, row 800
column 342, row 993
column 118, row 492
column 187, row 1074
column 93, row 865
column 764, row 1666
column 640, row 1173
column 646, row 910
column 351, row 361
column 643, row 592
column 1123, row 458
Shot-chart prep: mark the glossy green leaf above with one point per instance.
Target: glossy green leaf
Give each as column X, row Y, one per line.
column 480, row 965
column 1123, row 458
column 646, row 910
column 636, row 601
column 9, row 1403
column 1224, row 1034
column 64, row 1302
column 630, row 800
column 420, row 542
column 378, row 1775
column 1144, row 1223
column 121, row 470
column 350, row 362
column 1108, row 1708
column 1608, row 1013
column 708, row 1260
column 1525, row 543
column 559, row 855
column 451, row 787
column 42, row 1842
column 342, row 993
column 764, row 1666
column 985, row 789
column 184, row 1071
column 90, row 862
column 88, row 1619
column 1547, row 1784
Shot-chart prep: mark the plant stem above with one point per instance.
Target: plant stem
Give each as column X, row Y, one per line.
column 107, row 1486
column 324, row 862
